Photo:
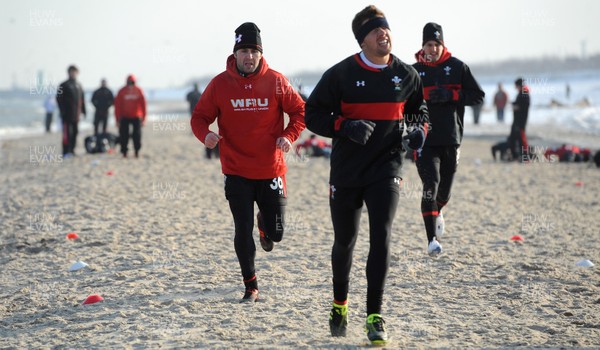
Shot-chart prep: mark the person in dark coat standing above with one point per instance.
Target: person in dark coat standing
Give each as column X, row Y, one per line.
column 70, row 100
column 102, row 99
column 517, row 139
column 193, row 97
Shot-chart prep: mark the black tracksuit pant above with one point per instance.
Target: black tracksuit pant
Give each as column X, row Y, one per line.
column 69, row 140
column 381, row 199
column 100, row 117
column 436, row 166
column 124, row 124
column 270, row 196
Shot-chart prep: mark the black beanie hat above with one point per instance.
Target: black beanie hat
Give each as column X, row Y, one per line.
column 519, row 82
column 247, row 36
column 433, row 31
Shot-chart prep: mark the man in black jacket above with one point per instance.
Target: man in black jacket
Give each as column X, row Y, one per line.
column 102, row 99
column 71, row 104
column 363, row 103
column 517, row 139
column 448, row 86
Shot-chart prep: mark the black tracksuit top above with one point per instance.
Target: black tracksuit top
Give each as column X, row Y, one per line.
column 447, row 119
column 389, row 97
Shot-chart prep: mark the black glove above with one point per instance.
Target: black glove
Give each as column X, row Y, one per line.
column 440, row 95
column 415, row 139
column 358, row 131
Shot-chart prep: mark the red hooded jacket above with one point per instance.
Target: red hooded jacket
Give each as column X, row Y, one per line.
column 130, row 103
column 250, row 115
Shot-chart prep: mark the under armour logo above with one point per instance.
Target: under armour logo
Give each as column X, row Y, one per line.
column 447, row 69
column 397, row 181
column 238, row 38
column 332, row 191
column 437, row 34
column 421, row 74
column 248, row 86
column 360, row 83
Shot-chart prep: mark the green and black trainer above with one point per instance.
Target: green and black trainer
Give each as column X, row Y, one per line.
column 375, row 328
column 338, row 320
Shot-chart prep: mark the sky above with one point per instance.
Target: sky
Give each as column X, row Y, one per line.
column 165, row 43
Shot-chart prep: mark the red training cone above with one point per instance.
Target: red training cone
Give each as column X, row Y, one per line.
column 517, row 238
column 92, row 299
column 72, row 236
column 579, row 184
column 110, row 173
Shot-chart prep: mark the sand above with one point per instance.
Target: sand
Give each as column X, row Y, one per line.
column 157, row 235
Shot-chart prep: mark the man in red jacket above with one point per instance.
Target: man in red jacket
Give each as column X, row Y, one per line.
column 130, row 109
column 248, row 100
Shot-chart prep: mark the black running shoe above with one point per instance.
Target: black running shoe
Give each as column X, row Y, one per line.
column 375, row 328
column 265, row 242
column 250, row 296
column 338, row 320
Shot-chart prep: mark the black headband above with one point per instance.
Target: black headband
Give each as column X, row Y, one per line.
column 376, row 22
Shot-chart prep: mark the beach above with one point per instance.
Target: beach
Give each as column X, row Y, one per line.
column 157, row 235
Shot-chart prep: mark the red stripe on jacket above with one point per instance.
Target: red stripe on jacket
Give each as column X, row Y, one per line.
column 373, row 110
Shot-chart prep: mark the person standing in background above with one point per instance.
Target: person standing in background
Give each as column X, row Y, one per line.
column 102, row 99
column 193, row 97
column 500, row 101
column 49, row 107
column 71, row 103
column 477, row 112
column 518, row 139
column 130, row 111
column 448, row 86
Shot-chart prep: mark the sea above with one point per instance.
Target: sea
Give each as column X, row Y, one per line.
column 565, row 101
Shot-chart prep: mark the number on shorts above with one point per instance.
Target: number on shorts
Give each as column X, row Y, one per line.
column 277, row 184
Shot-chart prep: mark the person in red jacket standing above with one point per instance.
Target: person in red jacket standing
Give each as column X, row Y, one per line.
column 248, row 100
column 130, row 110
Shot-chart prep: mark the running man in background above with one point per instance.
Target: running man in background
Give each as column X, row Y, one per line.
column 102, row 99
column 517, row 139
column 500, row 101
column 248, row 101
column 362, row 103
column 71, row 103
column 448, row 86
column 130, row 112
